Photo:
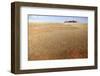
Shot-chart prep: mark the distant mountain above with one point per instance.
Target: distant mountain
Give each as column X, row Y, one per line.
column 72, row 21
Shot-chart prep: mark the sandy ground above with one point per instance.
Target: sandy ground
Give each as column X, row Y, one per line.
column 57, row 41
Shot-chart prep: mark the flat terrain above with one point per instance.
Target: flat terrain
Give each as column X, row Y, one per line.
column 57, row 41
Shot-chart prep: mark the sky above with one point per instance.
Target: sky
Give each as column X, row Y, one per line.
column 56, row 19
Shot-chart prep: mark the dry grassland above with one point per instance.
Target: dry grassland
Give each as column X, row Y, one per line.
column 57, row 41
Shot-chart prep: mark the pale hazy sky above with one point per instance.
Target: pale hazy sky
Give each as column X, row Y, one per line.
column 56, row 19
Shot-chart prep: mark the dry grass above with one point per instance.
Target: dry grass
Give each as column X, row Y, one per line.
column 57, row 41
